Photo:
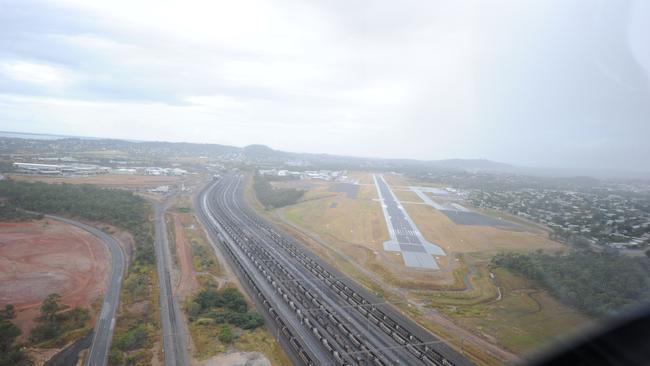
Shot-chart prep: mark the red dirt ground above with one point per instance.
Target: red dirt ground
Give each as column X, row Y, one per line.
column 188, row 283
column 42, row 257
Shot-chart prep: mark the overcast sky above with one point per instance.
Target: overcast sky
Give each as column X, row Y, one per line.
column 551, row 83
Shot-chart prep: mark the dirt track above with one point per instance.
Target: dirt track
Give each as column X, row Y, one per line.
column 43, row 257
column 188, row 283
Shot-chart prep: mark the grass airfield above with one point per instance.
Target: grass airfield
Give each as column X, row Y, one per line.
column 495, row 316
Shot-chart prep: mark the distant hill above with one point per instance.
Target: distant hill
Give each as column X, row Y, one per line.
column 48, row 145
column 255, row 154
column 476, row 165
column 263, row 153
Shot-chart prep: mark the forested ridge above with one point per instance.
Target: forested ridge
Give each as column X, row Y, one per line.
column 596, row 283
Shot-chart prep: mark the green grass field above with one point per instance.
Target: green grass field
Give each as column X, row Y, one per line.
column 526, row 317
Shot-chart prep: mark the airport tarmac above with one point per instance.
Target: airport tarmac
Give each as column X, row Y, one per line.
column 405, row 237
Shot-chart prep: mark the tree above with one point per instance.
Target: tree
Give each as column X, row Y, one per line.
column 11, row 353
column 234, row 300
column 50, row 306
column 8, row 333
column 44, row 331
column 255, row 320
column 48, row 327
column 193, row 309
column 208, row 298
column 9, row 312
column 136, row 337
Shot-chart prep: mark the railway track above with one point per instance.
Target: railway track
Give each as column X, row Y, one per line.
column 174, row 334
column 323, row 318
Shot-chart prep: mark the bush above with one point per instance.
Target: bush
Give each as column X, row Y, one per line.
column 228, row 305
column 234, row 300
column 8, row 333
column 193, row 309
column 44, row 331
column 136, row 337
column 208, row 298
column 225, row 334
column 245, row 320
column 10, row 352
column 137, row 284
column 218, row 318
column 9, row 312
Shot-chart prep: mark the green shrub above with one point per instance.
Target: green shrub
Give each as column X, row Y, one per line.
column 136, row 337
column 225, row 334
column 228, row 305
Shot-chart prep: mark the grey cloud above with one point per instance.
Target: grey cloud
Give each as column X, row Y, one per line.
column 551, row 83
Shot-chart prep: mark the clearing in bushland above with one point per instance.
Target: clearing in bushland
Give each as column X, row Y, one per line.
column 38, row 258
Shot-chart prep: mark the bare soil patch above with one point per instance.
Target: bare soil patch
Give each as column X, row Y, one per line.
column 188, row 283
column 238, row 359
column 42, row 257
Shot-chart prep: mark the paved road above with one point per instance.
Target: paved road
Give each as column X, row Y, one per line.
column 324, row 313
column 173, row 327
column 103, row 335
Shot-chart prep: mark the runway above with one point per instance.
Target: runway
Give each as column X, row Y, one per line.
column 416, row 251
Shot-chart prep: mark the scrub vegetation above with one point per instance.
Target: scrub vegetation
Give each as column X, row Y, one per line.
column 56, row 323
column 274, row 197
column 11, row 213
column 218, row 318
column 221, row 307
column 596, row 283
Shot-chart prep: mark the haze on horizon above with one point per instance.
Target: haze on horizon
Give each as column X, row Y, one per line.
column 536, row 83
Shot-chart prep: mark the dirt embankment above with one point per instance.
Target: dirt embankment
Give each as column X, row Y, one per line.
column 42, row 257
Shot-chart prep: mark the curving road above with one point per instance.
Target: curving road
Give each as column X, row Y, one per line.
column 103, row 333
column 173, row 327
column 321, row 316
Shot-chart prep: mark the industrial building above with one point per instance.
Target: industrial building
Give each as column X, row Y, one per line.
column 61, row 169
